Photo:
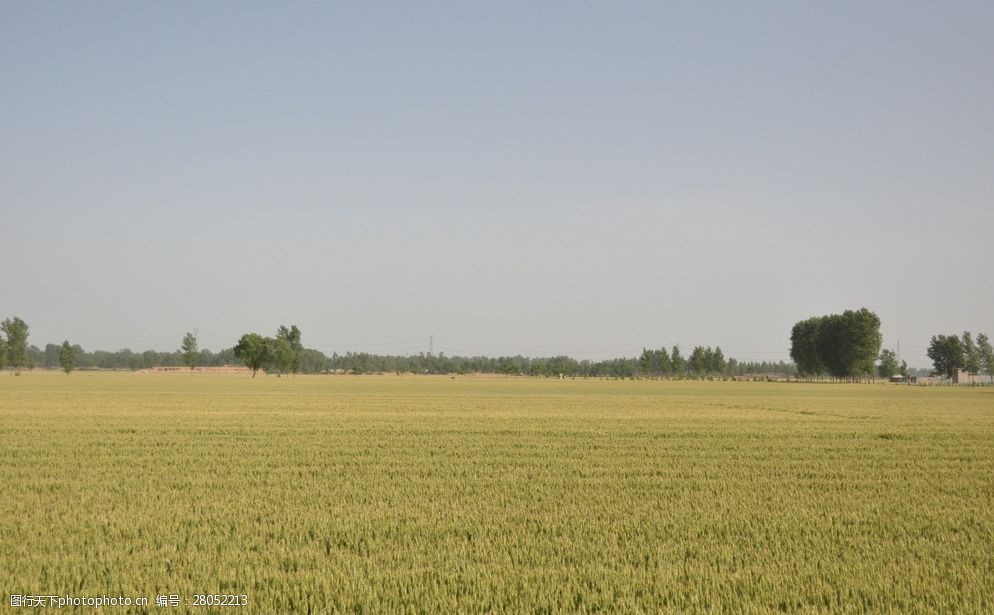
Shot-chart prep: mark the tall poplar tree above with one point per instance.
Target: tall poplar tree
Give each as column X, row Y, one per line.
column 67, row 357
column 190, row 352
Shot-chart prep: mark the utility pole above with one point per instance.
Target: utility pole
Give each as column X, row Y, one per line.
column 431, row 345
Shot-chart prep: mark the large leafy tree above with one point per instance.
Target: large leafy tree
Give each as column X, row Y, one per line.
column 253, row 350
column 856, row 341
column 16, row 332
column 946, row 352
column 805, row 349
column 190, row 352
column 67, row 357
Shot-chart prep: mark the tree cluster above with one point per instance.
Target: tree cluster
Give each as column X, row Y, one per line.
column 888, row 365
column 843, row 345
column 950, row 353
column 701, row 362
column 14, row 344
column 280, row 355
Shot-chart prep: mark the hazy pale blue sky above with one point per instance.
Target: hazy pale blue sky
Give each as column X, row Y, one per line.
column 581, row 178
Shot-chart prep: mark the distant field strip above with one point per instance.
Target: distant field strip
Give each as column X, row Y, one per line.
column 431, row 494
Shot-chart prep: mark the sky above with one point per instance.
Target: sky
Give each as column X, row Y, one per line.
column 509, row 177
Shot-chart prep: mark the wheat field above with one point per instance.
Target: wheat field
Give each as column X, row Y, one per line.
column 421, row 494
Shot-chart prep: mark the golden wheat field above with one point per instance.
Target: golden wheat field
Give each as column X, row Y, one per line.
column 418, row 494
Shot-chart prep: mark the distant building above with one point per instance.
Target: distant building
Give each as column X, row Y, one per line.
column 961, row 376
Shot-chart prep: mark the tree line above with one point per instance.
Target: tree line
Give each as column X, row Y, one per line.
column 843, row 345
column 365, row 363
column 703, row 361
column 284, row 353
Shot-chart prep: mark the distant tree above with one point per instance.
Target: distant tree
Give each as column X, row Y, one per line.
column 67, row 357
column 697, row 361
column 986, row 353
column 51, row 355
column 647, row 361
column 972, row 359
column 313, row 361
column 537, row 366
column 888, row 364
column 253, row 350
column 279, row 355
column 297, row 348
column 3, row 352
column 903, row 370
column 288, row 349
column 718, row 364
column 946, row 352
column 190, row 352
column 561, row 365
column 664, row 362
column 679, row 363
column 16, row 331
column 509, row 365
column 655, row 362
